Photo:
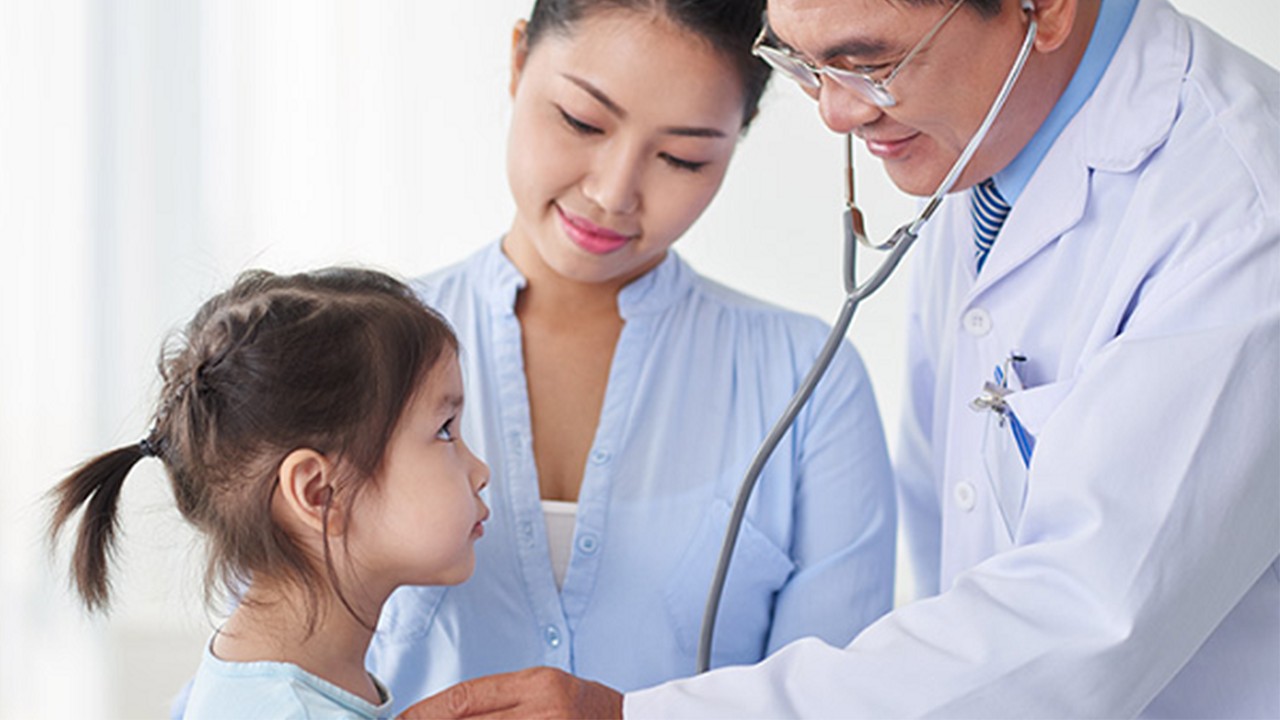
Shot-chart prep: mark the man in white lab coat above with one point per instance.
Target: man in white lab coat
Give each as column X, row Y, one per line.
column 1098, row 534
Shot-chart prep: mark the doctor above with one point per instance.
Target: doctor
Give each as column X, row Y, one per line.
column 1091, row 462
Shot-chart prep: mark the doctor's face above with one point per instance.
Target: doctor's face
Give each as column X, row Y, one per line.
column 943, row 93
column 621, row 131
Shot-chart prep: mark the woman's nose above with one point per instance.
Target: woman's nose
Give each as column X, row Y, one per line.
column 843, row 109
column 614, row 181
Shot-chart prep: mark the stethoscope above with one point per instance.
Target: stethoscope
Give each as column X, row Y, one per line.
column 897, row 245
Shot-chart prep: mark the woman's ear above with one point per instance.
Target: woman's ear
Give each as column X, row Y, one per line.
column 519, row 53
column 1056, row 19
column 306, row 489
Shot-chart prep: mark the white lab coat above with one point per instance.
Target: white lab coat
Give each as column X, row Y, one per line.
column 1133, row 570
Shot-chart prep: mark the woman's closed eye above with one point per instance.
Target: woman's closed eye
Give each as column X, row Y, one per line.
column 577, row 125
column 681, row 163
column 584, row 128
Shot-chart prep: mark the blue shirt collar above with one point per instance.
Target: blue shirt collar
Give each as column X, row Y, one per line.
column 1113, row 21
column 652, row 292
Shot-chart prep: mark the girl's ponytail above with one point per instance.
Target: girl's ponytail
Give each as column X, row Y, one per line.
column 95, row 485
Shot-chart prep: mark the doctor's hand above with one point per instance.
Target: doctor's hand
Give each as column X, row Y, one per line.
column 540, row 692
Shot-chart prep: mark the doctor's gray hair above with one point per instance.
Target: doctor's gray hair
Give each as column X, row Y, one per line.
column 729, row 26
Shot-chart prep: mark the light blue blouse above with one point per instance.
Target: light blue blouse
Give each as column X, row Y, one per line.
column 699, row 375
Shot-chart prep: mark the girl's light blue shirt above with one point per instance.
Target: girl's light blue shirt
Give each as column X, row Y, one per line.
column 698, row 377
column 275, row 691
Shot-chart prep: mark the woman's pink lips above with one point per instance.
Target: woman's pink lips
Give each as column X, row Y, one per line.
column 889, row 149
column 589, row 236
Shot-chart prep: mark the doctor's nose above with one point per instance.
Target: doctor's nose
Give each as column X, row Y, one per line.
column 614, row 181
column 843, row 109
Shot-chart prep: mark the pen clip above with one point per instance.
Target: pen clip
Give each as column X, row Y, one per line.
column 994, row 393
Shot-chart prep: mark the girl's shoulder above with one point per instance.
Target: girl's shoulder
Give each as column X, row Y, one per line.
column 273, row 690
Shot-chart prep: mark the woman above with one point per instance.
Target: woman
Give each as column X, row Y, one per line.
column 606, row 378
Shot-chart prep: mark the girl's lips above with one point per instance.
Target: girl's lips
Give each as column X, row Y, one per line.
column 890, row 149
column 589, row 236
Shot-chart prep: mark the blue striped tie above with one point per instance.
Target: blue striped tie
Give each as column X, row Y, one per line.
column 989, row 210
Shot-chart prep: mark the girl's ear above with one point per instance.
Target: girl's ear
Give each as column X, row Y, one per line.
column 306, row 488
column 519, row 53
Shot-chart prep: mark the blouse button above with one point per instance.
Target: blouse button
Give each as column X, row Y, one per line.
column 600, row 457
column 552, row 636
column 966, row 496
column 588, row 544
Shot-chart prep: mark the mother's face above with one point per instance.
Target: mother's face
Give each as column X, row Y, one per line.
column 621, row 132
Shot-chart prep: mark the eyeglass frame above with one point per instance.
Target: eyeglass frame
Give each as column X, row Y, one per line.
column 876, row 91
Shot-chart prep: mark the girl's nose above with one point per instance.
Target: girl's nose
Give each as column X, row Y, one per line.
column 478, row 473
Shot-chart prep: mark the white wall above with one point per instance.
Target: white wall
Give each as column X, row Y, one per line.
column 150, row 149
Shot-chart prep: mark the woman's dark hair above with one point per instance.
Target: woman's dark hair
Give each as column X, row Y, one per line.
column 325, row 360
column 729, row 26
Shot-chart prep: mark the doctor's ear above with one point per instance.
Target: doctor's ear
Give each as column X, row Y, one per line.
column 305, row 492
column 519, row 53
column 1056, row 19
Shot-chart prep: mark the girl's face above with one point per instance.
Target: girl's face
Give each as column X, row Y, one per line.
column 621, row 131
column 416, row 524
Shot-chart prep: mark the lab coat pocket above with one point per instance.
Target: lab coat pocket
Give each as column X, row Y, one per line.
column 1005, row 470
column 759, row 569
column 1008, row 447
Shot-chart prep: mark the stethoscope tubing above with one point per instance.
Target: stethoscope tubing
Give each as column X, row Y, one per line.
column 897, row 247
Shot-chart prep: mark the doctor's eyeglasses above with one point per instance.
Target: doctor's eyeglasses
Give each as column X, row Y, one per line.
column 809, row 76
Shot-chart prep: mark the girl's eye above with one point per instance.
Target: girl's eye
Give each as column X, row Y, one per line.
column 682, row 164
column 577, row 125
column 445, row 432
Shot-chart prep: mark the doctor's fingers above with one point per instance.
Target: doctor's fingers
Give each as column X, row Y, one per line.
column 534, row 693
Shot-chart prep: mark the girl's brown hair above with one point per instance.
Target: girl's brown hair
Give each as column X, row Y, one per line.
column 325, row 360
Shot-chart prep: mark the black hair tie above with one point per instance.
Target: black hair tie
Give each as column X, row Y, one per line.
column 148, row 449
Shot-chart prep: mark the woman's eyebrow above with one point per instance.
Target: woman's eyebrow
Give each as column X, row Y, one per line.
column 598, row 94
column 620, row 113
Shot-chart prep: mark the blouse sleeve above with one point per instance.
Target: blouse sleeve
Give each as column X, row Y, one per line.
column 845, row 517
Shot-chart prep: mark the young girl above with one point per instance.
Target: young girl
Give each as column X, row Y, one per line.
column 309, row 428
column 620, row 395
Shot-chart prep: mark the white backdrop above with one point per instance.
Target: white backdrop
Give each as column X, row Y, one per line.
column 151, row 149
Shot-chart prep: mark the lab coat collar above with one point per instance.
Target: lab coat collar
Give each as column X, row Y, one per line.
column 1144, row 73
column 652, row 292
